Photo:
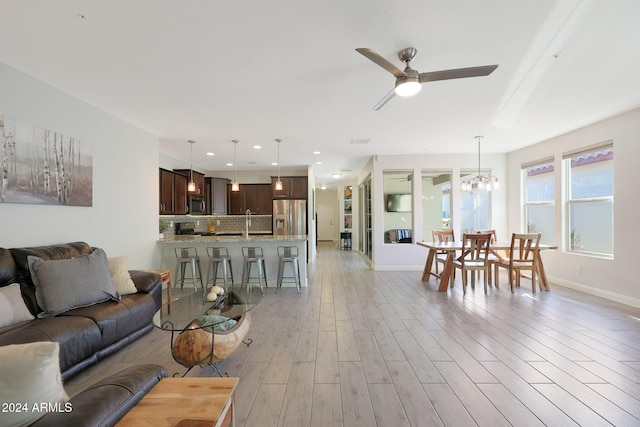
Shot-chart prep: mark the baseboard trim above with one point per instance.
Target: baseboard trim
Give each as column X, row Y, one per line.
column 611, row 296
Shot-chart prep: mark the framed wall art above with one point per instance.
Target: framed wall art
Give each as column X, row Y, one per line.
column 43, row 166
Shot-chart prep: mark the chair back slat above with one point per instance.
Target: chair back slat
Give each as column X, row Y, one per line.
column 442, row 236
column 287, row 251
column 475, row 246
column 217, row 252
column 524, row 247
column 187, row 252
column 491, row 231
column 252, row 251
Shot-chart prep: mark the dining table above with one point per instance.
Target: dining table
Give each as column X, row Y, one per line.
column 451, row 248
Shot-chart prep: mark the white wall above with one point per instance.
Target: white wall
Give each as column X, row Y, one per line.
column 124, row 217
column 615, row 279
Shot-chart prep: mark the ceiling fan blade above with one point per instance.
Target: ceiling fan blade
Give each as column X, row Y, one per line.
column 384, row 100
column 457, row 73
column 373, row 56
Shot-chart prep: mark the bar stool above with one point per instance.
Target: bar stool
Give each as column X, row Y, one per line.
column 253, row 255
column 288, row 254
column 219, row 256
column 186, row 256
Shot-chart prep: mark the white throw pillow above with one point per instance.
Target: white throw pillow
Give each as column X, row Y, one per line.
column 12, row 307
column 30, row 379
column 119, row 268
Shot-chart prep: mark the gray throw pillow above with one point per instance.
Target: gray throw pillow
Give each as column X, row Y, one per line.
column 62, row 285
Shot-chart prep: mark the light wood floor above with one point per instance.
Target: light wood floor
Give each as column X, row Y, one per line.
column 365, row 348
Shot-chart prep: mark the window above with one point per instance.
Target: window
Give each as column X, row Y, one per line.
column 590, row 200
column 538, row 182
column 475, row 203
column 436, row 202
column 398, row 207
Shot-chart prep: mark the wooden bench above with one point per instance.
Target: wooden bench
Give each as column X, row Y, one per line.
column 185, row 402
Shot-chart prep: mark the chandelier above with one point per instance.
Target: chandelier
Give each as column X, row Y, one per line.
column 481, row 181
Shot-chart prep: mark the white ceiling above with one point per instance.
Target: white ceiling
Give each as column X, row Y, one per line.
column 217, row 70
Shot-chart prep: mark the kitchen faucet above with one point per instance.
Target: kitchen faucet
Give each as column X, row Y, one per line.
column 247, row 223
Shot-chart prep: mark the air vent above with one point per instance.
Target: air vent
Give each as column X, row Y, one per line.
column 360, row 141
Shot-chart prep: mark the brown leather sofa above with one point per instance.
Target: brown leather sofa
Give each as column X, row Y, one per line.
column 86, row 335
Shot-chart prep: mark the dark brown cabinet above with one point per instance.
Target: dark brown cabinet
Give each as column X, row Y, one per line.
column 198, row 180
column 207, row 196
column 173, row 193
column 181, row 206
column 236, row 201
column 216, row 195
column 293, row 187
column 255, row 197
column 166, row 192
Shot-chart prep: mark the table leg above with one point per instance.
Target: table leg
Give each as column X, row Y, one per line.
column 542, row 275
column 446, row 273
column 426, row 273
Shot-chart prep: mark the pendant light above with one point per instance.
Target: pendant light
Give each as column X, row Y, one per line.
column 234, row 185
column 191, row 187
column 480, row 182
column 278, row 182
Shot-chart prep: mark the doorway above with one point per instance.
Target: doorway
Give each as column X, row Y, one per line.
column 326, row 222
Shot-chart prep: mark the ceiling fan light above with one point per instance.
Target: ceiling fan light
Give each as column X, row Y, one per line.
column 408, row 88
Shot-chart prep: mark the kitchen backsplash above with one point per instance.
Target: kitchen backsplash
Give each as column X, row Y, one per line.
column 222, row 223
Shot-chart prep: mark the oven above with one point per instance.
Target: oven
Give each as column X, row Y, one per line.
column 196, row 205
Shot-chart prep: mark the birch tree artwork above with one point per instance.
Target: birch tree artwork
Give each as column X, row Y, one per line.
column 42, row 166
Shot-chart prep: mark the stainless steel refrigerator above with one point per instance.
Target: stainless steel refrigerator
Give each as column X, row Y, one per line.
column 289, row 217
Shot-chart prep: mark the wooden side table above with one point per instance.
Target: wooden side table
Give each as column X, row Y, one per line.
column 185, row 402
column 165, row 277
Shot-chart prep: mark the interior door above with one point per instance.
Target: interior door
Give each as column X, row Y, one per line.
column 326, row 222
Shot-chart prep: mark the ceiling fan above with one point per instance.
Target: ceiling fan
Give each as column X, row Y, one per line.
column 409, row 81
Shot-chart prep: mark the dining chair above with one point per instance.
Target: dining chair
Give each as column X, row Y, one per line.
column 493, row 255
column 474, row 257
column 442, row 236
column 523, row 255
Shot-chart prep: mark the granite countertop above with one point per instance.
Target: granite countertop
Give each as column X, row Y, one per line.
column 234, row 238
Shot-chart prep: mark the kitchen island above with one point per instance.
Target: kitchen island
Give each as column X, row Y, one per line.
column 234, row 245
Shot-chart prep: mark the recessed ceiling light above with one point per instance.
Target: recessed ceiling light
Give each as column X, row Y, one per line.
column 229, row 164
column 336, row 175
column 323, row 187
column 274, row 163
column 257, row 147
column 211, row 154
column 318, row 163
column 316, row 152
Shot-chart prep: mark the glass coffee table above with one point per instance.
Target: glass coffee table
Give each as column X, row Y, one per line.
column 205, row 332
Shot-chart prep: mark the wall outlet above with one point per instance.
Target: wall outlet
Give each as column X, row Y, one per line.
column 217, row 222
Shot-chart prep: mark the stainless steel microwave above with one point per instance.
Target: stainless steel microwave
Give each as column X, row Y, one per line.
column 196, row 205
